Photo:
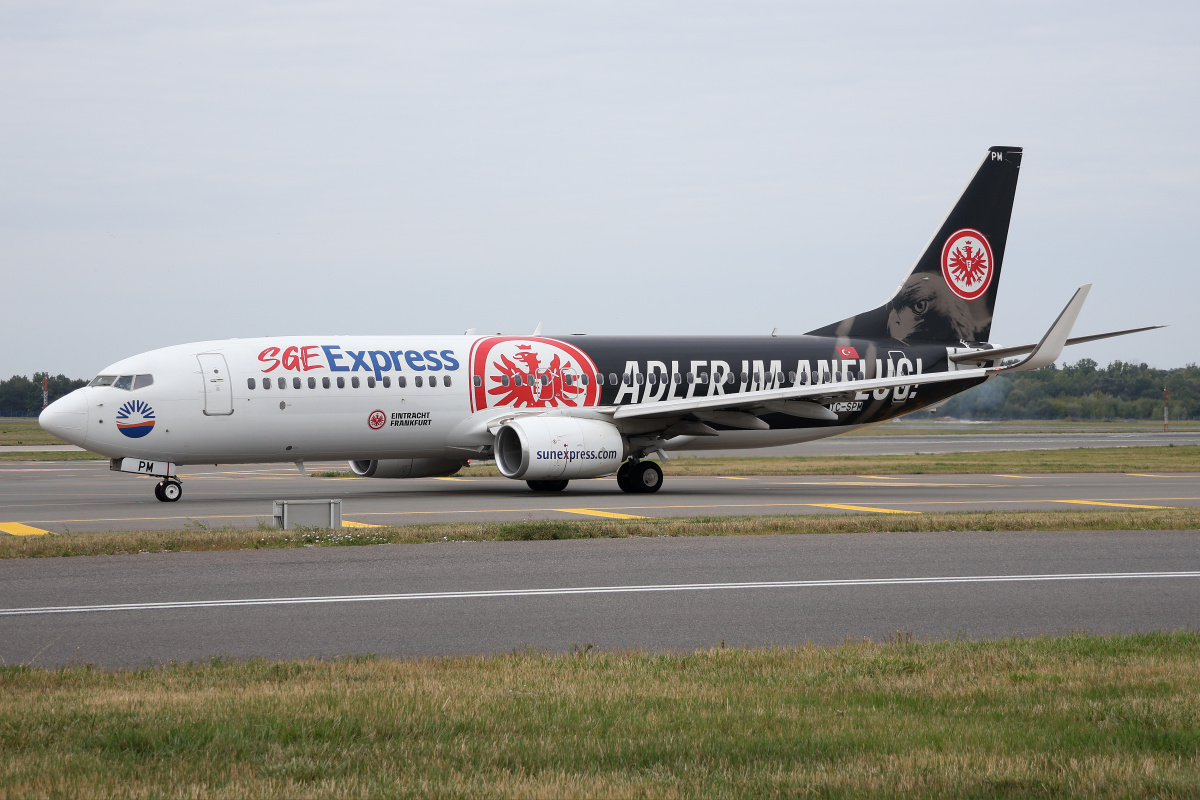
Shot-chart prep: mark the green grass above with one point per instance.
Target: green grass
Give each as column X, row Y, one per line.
column 1076, row 716
column 200, row 539
column 24, row 431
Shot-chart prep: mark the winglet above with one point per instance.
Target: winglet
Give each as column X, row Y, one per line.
column 538, row 330
column 1051, row 345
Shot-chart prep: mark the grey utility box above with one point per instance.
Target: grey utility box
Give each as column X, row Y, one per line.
column 308, row 513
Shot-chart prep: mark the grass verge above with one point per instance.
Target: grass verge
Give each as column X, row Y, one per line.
column 1074, row 716
column 88, row 544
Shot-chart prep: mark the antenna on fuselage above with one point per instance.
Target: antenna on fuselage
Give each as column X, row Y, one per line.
column 538, row 330
column 469, row 332
column 775, row 331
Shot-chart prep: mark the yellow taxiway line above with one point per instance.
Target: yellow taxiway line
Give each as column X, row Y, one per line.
column 349, row 523
column 595, row 513
column 19, row 529
column 1099, row 503
column 861, row 508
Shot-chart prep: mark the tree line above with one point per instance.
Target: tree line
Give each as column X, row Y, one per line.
column 1082, row 390
column 22, row 397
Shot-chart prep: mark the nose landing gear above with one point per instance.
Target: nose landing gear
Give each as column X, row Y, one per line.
column 640, row 477
column 168, row 491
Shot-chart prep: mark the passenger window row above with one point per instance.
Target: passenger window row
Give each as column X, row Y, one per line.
column 355, row 383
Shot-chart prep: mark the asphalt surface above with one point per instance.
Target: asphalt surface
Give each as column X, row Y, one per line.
column 658, row 593
column 78, row 497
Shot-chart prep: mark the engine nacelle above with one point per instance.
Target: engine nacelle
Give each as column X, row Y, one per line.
column 558, row 448
column 406, row 468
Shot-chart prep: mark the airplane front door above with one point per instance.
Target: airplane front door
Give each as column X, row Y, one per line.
column 218, row 394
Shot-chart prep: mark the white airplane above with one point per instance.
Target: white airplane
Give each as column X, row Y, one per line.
column 552, row 409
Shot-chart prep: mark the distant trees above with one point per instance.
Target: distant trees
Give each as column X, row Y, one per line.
column 22, row 397
column 1082, row 390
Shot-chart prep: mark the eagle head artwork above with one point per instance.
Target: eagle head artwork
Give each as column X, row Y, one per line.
column 926, row 308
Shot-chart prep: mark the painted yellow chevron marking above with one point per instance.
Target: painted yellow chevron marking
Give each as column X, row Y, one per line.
column 1099, row 503
column 863, row 508
column 595, row 513
column 18, row 529
column 349, row 523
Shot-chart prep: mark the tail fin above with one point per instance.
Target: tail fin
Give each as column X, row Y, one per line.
column 951, row 292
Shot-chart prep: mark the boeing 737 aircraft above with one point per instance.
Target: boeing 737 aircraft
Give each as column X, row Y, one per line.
column 550, row 409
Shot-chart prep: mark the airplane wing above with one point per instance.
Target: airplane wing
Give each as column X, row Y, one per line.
column 798, row 400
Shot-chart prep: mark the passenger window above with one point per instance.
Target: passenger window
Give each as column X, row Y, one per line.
column 677, row 378
column 599, row 379
column 103, row 380
column 504, row 380
column 703, row 378
column 627, row 379
column 583, row 380
column 779, row 377
column 142, row 381
column 295, row 383
column 124, row 382
column 745, row 377
column 517, row 380
column 691, row 378
column 324, row 383
column 281, row 383
column 652, row 378
column 477, row 380
column 638, row 378
column 250, row 383
column 341, row 382
column 354, row 382
column 729, row 378
column 791, row 377
column 612, row 379
column 417, row 381
column 266, row 383
column 433, row 380
column 401, row 381
column 370, row 382
column 387, row 381
column 445, row 380
column 545, row 379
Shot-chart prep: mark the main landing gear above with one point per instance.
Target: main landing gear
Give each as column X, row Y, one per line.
column 168, row 491
column 640, row 477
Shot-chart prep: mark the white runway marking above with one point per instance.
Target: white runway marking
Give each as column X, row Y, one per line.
column 581, row 590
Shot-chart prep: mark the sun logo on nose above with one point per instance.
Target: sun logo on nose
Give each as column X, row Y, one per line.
column 135, row 419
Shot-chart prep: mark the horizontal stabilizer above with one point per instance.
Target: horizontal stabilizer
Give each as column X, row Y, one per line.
column 995, row 354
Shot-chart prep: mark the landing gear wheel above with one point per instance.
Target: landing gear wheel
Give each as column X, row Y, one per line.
column 158, row 495
column 647, row 477
column 547, row 486
column 623, row 477
column 169, row 491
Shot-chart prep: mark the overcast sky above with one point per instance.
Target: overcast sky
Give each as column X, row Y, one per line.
column 187, row 171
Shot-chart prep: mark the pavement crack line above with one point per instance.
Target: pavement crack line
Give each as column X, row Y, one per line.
column 594, row 590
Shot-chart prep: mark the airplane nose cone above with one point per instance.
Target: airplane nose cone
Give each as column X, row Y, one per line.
column 67, row 417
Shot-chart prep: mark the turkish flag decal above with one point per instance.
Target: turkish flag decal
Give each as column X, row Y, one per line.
column 847, row 352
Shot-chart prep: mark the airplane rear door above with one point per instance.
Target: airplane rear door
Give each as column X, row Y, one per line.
column 218, row 395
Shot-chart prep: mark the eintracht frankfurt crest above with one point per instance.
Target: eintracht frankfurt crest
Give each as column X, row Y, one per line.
column 525, row 372
column 967, row 263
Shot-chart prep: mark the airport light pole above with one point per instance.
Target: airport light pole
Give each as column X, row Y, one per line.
column 1166, row 400
column 45, row 391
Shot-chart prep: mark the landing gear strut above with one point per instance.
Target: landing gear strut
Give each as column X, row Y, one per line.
column 640, row 477
column 168, row 491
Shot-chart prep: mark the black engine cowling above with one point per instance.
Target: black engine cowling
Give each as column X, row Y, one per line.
column 558, row 448
column 406, row 468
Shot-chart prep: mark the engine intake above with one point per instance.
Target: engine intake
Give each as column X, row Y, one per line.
column 406, row 468
column 558, row 448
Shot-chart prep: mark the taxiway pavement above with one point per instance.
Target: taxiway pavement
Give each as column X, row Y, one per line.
column 660, row 593
column 77, row 497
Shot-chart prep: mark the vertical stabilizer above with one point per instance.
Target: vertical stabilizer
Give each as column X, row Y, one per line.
column 950, row 294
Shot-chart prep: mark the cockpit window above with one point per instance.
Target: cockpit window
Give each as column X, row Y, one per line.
column 142, row 381
column 124, row 382
column 103, row 380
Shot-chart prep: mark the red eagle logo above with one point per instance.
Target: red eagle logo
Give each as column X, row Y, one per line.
column 967, row 263
column 531, row 373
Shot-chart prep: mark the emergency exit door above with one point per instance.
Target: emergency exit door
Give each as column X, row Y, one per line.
column 218, row 395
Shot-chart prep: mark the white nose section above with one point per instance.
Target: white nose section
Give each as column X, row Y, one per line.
column 67, row 417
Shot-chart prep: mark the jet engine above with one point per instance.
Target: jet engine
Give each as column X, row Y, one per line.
column 558, row 448
column 406, row 468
